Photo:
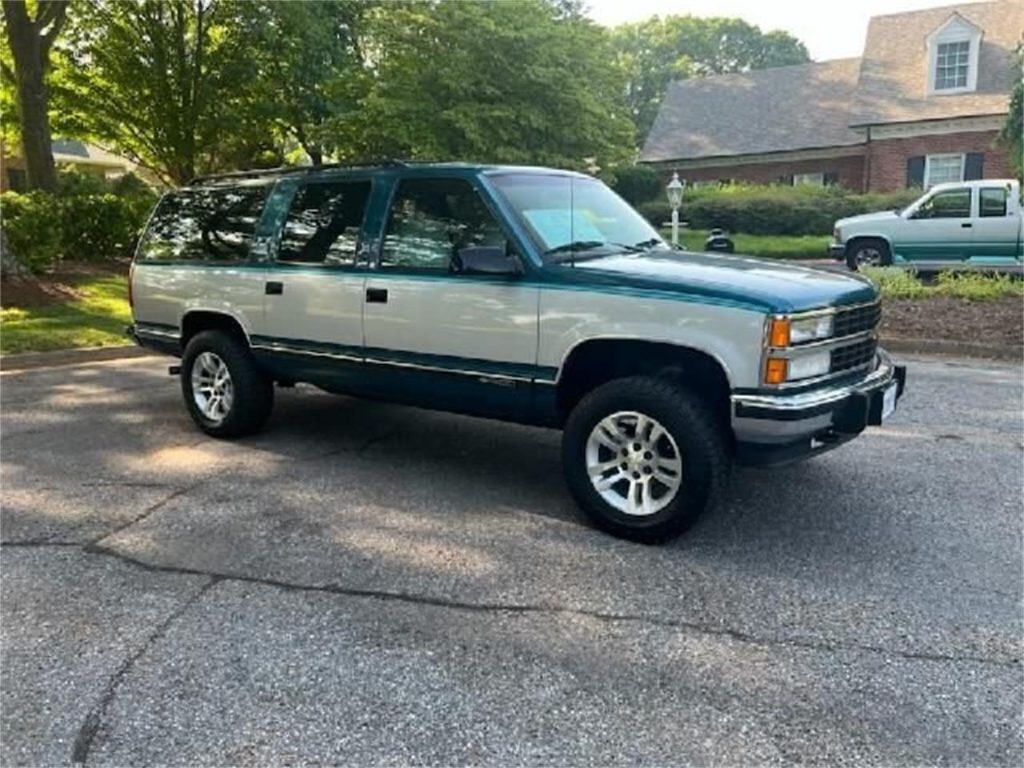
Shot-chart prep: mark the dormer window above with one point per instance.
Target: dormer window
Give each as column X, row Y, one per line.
column 953, row 57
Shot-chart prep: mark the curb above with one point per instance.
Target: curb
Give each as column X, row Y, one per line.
column 952, row 348
column 26, row 360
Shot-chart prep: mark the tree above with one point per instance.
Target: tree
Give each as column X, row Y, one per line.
column 309, row 64
column 30, row 41
column 524, row 82
column 1012, row 134
column 168, row 83
column 655, row 52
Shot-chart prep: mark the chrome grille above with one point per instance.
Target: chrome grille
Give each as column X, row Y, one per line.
column 853, row 355
column 857, row 320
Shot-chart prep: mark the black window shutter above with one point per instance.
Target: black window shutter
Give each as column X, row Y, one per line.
column 915, row 171
column 831, row 178
column 974, row 166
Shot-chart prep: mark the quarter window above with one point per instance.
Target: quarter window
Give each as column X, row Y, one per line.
column 204, row 224
column 952, row 63
column 324, row 224
column 939, row 169
column 993, row 201
column 432, row 220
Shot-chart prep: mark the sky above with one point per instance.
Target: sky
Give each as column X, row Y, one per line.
column 831, row 29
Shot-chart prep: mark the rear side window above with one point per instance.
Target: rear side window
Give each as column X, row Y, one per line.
column 204, row 224
column 993, row 201
column 324, row 223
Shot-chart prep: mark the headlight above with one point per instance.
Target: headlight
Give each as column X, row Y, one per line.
column 837, row 236
column 810, row 329
column 806, row 366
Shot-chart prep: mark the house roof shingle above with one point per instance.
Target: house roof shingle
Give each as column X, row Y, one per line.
column 770, row 110
column 894, row 69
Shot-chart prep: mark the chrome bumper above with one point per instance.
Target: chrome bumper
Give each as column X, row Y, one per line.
column 830, row 413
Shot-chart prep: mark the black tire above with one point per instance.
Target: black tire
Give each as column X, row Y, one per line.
column 867, row 251
column 253, row 390
column 702, row 443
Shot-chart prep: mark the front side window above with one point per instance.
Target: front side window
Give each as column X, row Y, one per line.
column 940, row 169
column 954, row 204
column 992, row 201
column 952, row 62
column 204, row 224
column 324, row 224
column 432, row 220
column 575, row 216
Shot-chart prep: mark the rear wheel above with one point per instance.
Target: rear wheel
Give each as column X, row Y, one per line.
column 867, row 252
column 225, row 391
column 643, row 458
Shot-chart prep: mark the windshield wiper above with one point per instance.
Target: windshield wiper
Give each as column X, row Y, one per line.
column 576, row 246
column 643, row 245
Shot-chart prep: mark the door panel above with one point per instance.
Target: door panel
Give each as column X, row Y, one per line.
column 997, row 226
column 940, row 229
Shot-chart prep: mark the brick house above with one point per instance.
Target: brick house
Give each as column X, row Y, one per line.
column 923, row 105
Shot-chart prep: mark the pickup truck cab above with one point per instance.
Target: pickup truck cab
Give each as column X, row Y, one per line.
column 976, row 224
column 524, row 294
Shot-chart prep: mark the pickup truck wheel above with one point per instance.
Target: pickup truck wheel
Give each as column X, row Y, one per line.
column 868, row 252
column 225, row 392
column 643, row 458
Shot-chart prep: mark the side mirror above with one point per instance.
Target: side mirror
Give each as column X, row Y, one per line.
column 486, row 260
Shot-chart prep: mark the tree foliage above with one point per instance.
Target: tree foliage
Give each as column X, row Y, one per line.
column 654, row 52
column 523, row 82
column 1012, row 134
column 29, row 41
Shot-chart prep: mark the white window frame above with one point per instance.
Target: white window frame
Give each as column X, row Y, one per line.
column 929, row 159
column 955, row 30
column 809, row 179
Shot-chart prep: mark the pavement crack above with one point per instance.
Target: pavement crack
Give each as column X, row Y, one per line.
column 94, row 719
column 522, row 608
column 39, row 543
column 146, row 512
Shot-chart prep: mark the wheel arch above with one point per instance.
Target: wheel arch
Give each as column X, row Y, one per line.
column 594, row 362
column 869, row 236
column 196, row 320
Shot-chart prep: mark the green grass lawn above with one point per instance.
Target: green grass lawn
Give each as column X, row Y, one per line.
column 96, row 319
column 767, row 246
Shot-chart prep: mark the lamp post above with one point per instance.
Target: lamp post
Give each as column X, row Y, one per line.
column 675, row 199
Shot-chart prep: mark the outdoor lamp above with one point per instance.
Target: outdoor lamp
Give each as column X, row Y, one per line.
column 675, row 199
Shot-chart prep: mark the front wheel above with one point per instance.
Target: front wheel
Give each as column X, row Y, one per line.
column 644, row 457
column 225, row 392
column 868, row 252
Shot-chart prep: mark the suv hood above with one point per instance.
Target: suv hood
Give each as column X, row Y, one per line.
column 867, row 218
column 753, row 284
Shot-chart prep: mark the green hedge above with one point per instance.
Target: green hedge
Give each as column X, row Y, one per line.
column 86, row 220
column 773, row 210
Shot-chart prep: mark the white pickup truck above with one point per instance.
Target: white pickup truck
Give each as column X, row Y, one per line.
column 976, row 224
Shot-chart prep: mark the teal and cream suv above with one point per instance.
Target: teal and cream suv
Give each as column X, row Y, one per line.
column 524, row 294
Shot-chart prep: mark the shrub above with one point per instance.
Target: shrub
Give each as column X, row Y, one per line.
column 637, row 183
column 773, row 210
column 896, row 283
column 977, row 286
column 88, row 219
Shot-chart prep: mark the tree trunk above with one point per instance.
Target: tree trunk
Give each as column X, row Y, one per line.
column 30, row 41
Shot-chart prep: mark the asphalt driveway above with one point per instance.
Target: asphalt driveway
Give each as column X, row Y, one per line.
column 370, row 584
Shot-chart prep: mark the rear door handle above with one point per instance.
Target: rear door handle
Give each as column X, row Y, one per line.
column 376, row 295
column 966, row 224
column 274, row 288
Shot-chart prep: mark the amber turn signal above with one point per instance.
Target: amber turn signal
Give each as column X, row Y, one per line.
column 775, row 371
column 778, row 333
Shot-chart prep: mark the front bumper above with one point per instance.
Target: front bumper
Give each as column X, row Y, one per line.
column 837, row 251
column 776, row 428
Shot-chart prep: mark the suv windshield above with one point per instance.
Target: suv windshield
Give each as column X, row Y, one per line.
column 574, row 217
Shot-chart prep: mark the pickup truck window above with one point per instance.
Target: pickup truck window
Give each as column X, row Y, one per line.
column 951, row 204
column 324, row 223
column 992, row 201
column 432, row 219
column 205, row 224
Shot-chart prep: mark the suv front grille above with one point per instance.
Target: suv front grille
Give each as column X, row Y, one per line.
column 853, row 355
column 857, row 320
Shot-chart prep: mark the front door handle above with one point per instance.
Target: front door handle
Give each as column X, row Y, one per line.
column 376, row 295
column 966, row 225
column 274, row 288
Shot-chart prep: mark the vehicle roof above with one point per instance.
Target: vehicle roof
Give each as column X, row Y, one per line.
column 972, row 183
column 267, row 175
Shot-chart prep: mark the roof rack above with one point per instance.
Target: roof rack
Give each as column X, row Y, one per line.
column 297, row 169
